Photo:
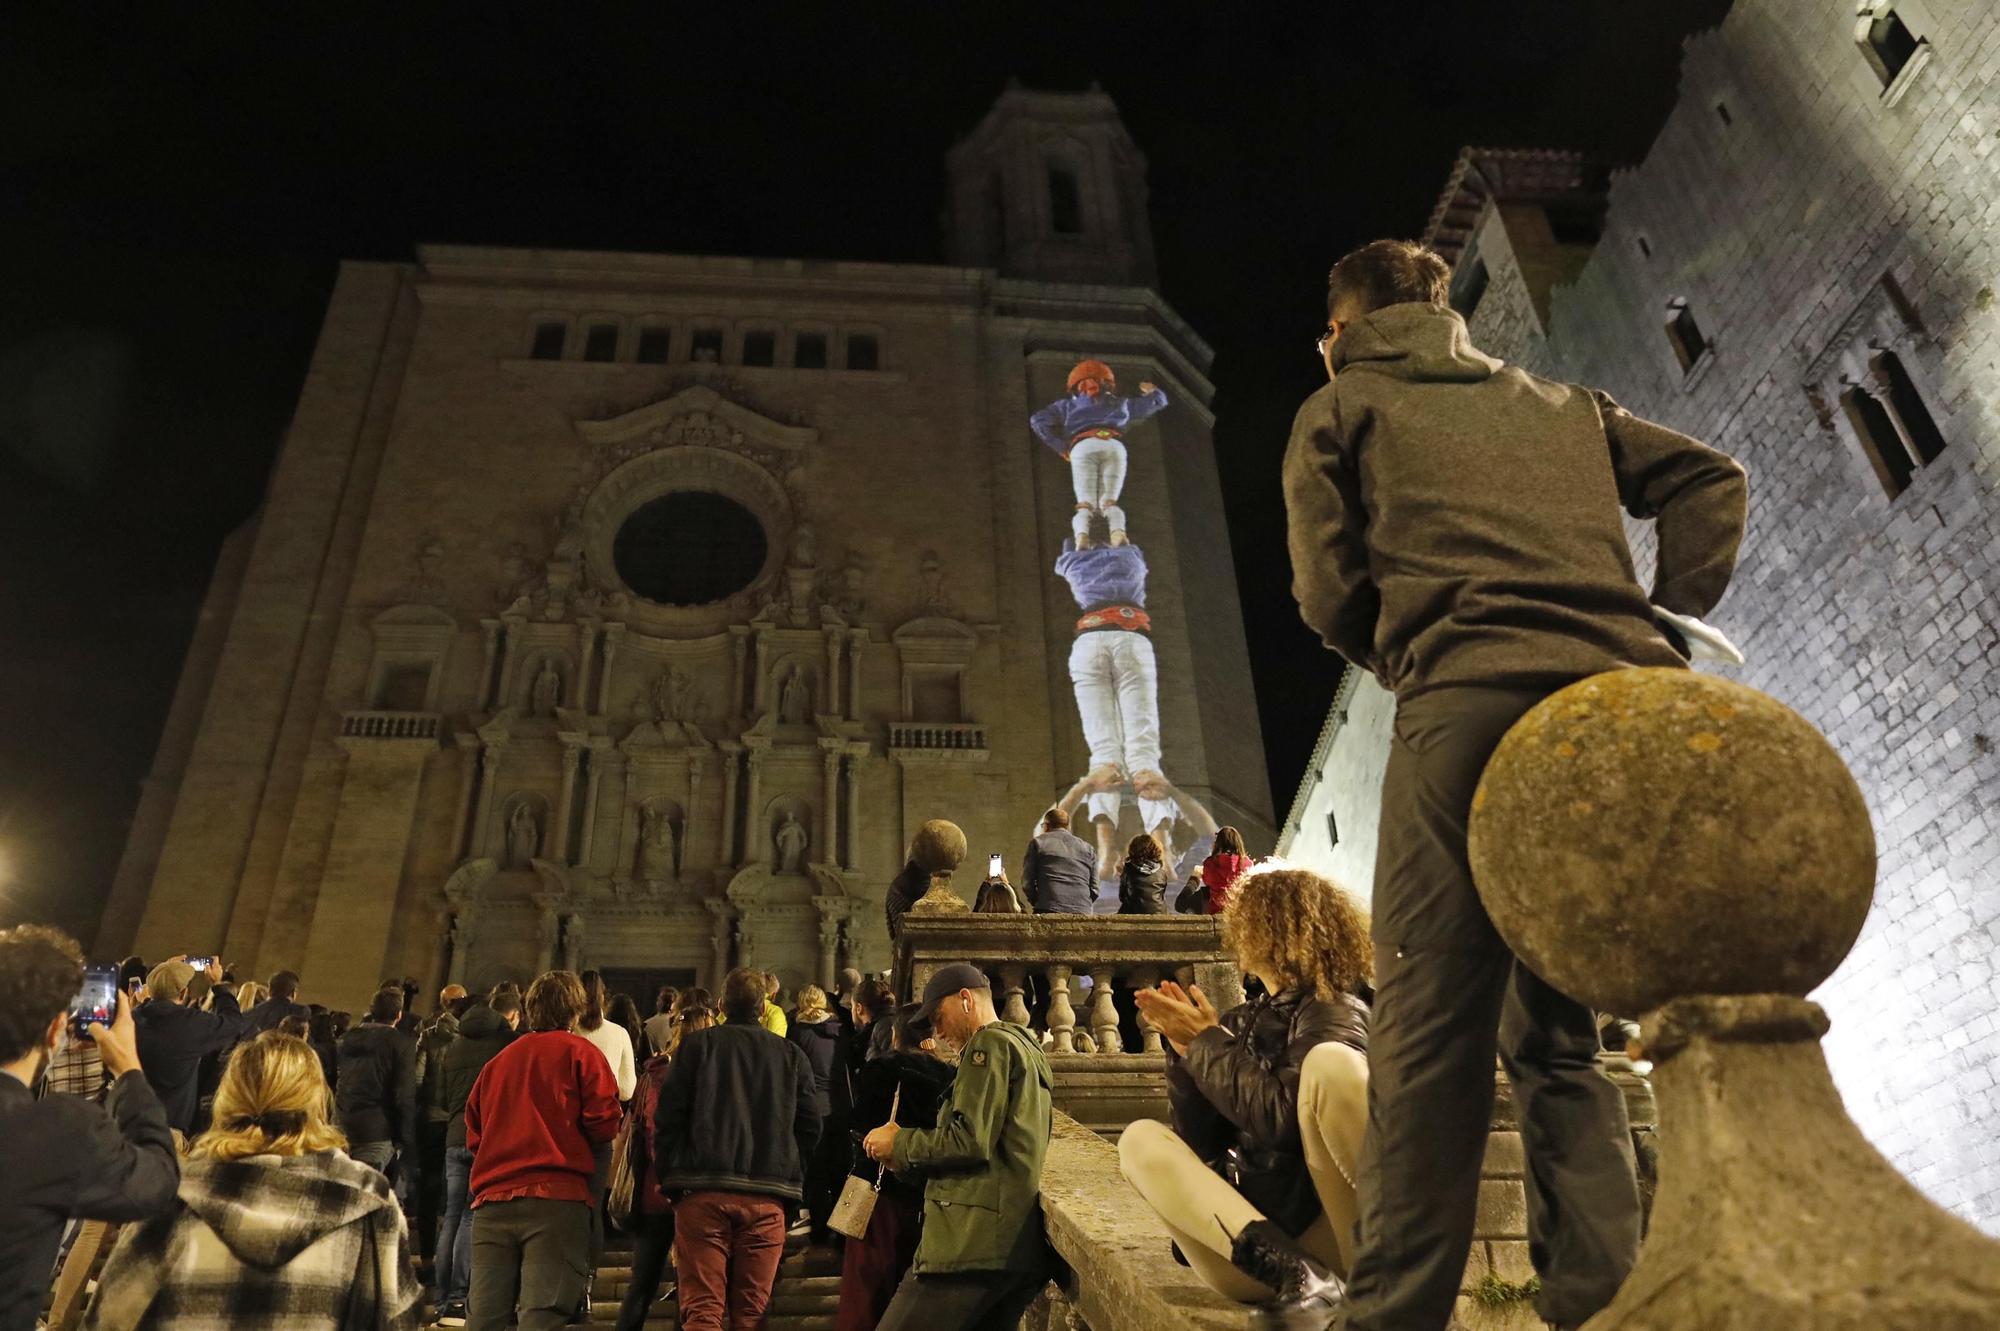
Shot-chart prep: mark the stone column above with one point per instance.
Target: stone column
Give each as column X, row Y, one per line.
column 830, row 694
column 718, row 942
column 754, row 833
column 489, row 772
column 1103, row 1011
column 572, row 937
column 1013, row 989
column 592, row 785
column 829, row 948
column 1062, row 1016
column 1149, row 1034
column 613, row 635
column 566, row 804
column 853, row 845
column 738, row 645
column 460, row 936
column 857, row 639
column 757, row 679
column 697, row 763
column 490, row 628
column 586, row 650
column 829, row 822
column 725, row 846
column 551, row 929
column 503, row 690
column 468, row 781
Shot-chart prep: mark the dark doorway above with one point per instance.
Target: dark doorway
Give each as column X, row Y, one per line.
column 643, row 984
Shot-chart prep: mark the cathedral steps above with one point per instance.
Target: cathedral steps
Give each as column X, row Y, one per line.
column 805, row 1298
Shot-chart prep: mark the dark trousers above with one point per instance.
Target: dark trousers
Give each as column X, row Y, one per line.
column 534, row 1252
column 1448, row 995
column 430, row 1185
column 727, row 1247
column 962, row 1301
column 826, row 1173
column 652, row 1244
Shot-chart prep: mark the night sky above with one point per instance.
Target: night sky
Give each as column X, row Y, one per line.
column 181, row 181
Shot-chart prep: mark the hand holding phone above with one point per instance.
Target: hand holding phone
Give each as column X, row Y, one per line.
column 118, row 1043
column 96, row 1001
column 993, row 867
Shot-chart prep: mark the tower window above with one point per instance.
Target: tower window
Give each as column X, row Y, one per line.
column 706, row 346
column 1470, row 288
column 809, row 351
column 996, row 214
column 1906, row 404
column 1879, row 439
column 549, row 338
column 654, row 344
column 1645, row 246
column 760, row 348
column 1689, row 344
column 1887, row 43
column 1332, row 828
column 863, row 352
column 601, row 342
column 1722, row 114
column 1065, row 202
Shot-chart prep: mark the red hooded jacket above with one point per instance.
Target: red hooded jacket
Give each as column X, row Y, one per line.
column 534, row 1115
column 1219, row 874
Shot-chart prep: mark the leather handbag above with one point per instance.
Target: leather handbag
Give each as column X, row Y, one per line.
column 856, row 1206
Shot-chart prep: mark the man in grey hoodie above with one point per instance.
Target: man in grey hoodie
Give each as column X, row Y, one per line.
column 1454, row 530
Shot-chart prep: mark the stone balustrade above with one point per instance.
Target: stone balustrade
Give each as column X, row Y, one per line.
column 966, row 736
column 390, row 725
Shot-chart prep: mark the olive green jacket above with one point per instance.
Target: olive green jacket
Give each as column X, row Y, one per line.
column 983, row 1161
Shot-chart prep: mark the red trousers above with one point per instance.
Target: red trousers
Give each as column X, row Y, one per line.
column 727, row 1246
column 875, row 1263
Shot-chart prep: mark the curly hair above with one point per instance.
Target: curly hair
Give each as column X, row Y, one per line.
column 1310, row 932
column 40, row 971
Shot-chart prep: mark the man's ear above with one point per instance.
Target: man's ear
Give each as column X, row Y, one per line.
column 54, row 1032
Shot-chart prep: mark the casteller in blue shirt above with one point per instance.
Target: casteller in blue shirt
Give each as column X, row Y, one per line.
column 1104, row 574
column 1066, row 418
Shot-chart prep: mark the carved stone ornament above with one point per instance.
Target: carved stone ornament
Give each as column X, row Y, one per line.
column 423, row 586
column 936, row 598
column 675, row 696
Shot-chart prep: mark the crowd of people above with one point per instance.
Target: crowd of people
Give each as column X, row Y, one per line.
column 1454, row 532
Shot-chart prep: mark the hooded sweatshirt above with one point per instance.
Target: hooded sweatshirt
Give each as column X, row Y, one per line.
column 1454, row 521
column 300, row 1241
column 1142, row 888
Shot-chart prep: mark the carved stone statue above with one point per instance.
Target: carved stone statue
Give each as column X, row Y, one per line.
column 936, row 601
column 805, row 547
column 547, row 693
column 790, row 841
column 795, row 700
column 656, row 848
column 524, row 836
column 675, row 696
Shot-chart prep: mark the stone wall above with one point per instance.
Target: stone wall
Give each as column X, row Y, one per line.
column 1810, row 217
column 1333, row 824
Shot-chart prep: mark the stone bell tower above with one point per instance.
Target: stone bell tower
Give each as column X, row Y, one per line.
column 1050, row 187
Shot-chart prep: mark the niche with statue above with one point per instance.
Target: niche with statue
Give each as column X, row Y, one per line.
column 523, row 830
column 789, row 835
column 662, row 835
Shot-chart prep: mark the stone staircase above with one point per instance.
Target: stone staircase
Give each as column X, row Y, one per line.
column 805, row 1299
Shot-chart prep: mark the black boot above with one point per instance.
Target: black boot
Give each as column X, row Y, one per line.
column 1308, row 1295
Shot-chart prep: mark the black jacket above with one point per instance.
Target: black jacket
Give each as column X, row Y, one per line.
column 905, row 890
column 482, row 1033
column 1142, row 888
column 924, row 1082
column 822, row 1044
column 173, row 1041
column 268, row 1014
column 1235, row 1097
column 738, row 1113
column 377, row 1095
column 1059, row 874
column 65, row 1156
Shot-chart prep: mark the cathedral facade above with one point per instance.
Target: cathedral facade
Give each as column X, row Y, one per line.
column 1801, row 273
column 632, row 611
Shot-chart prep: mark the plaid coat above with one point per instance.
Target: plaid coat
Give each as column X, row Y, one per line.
column 305, row 1243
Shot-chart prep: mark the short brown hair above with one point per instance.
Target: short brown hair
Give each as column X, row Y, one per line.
column 387, row 1005
column 743, row 995
column 1144, row 847
column 1387, row 272
column 553, row 1001
column 41, row 970
column 1055, row 818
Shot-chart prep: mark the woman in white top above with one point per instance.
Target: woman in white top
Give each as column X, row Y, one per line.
column 613, row 1040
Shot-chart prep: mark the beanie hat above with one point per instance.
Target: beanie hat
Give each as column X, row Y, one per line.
column 1091, row 369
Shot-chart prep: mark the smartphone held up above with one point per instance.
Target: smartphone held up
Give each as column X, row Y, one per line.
column 96, row 1003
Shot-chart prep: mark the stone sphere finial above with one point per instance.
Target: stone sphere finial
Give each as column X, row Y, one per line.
column 938, row 847
column 1651, row 834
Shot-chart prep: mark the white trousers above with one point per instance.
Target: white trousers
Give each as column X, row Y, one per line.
column 1203, row 1213
column 1097, row 470
column 1117, row 684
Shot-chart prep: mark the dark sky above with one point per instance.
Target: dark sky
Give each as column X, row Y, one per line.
column 181, row 180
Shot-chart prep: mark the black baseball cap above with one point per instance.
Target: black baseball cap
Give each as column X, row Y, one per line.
column 947, row 981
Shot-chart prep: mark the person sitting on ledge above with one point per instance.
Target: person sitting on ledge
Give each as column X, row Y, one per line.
column 1059, row 871
column 1279, row 1085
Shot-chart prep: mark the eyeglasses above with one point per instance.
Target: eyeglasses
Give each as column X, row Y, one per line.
column 1332, row 331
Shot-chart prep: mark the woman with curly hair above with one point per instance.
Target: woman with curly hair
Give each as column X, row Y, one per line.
column 275, row 1226
column 1255, row 1180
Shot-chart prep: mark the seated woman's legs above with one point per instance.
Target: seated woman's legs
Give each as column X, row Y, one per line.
column 1200, row 1210
column 1333, row 1113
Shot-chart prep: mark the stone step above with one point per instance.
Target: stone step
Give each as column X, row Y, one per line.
column 782, row 1305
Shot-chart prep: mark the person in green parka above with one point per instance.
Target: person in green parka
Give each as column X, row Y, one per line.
column 983, row 1257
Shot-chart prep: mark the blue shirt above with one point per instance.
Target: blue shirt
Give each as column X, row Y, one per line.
column 1065, row 418
column 1104, row 574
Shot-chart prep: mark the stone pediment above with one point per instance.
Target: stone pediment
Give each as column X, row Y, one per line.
column 699, row 417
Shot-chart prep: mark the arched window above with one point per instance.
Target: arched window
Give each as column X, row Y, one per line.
column 760, row 347
column 1879, row 440
column 864, row 352
column 809, row 351
column 1065, row 202
column 1886, row 42
column 1920, row 432
column 1689, row 343
column 654, row 344
column 550, row 334
column 600, row 342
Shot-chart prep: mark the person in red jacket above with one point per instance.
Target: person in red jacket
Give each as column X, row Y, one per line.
column 1223, row 867
column 533, row 1118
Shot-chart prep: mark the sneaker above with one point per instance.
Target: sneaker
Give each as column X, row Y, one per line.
column 1308, row 1295
column 452, row 1313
